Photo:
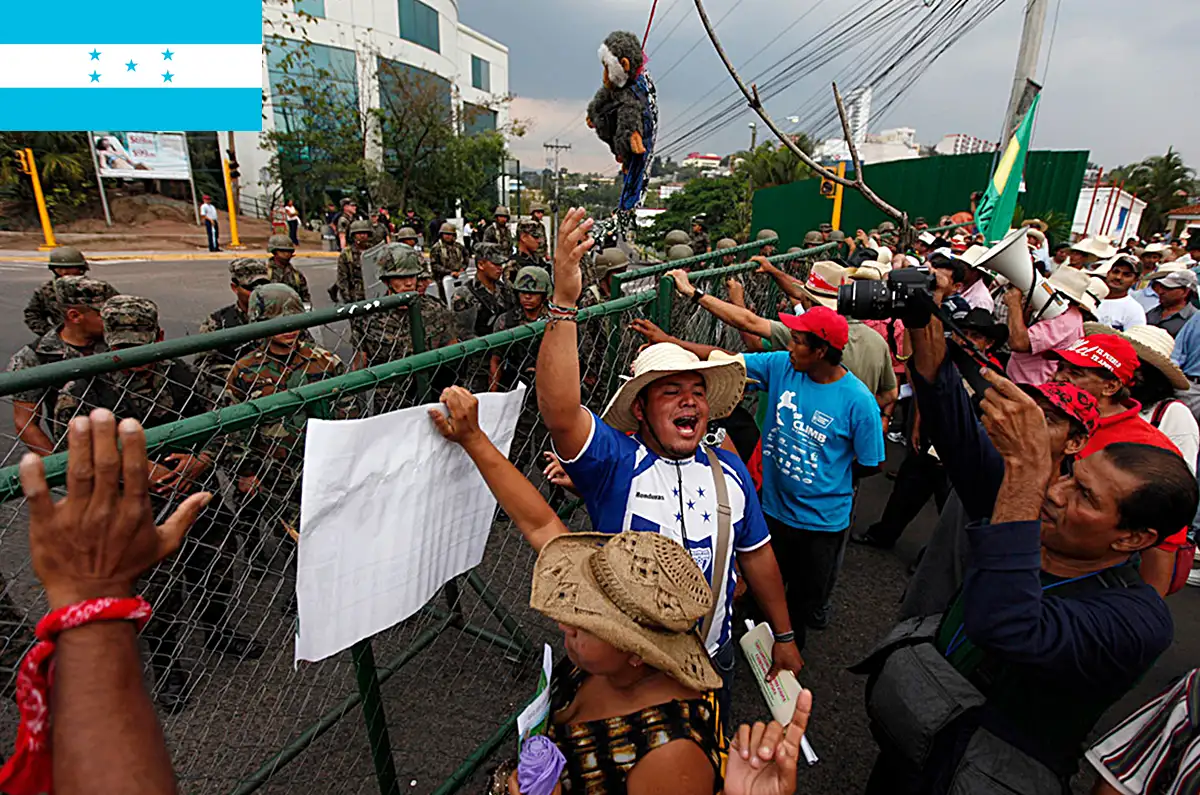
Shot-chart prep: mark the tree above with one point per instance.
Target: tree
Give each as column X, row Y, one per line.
column 770, row 165
column 64, row 168
column 1163, row 181
column 717, row 198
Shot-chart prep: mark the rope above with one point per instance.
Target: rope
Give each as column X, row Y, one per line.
column 649, row 22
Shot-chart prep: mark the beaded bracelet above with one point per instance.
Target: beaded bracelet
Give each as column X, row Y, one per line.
column 785, row 637
column 562, row 312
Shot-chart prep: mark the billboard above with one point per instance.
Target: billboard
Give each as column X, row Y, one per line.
column 141, row 155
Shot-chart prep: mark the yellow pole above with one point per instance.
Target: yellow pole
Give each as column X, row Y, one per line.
column 43, row 213
column 836, row 221
column 234, row 242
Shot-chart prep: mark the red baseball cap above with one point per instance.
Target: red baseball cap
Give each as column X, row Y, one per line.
column 822, row 321
column 1104, row 351
column 1078, row 404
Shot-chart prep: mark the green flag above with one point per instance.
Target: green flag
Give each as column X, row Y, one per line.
column 993, row 216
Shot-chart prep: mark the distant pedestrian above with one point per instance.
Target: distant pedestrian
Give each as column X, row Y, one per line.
column 208, row 213
column 292, row 216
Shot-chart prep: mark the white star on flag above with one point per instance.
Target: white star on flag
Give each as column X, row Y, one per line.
column 166, row 69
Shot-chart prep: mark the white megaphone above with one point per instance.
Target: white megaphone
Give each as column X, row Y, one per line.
column 1011, row 259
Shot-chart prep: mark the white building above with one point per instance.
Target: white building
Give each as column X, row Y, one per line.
column 350, row 39
column 1107, row 210
column 858, row 113
column 895, row 144
column 702, row 162
column 961, row 144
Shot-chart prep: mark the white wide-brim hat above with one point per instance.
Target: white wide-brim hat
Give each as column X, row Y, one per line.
column 1080, row 288
column 725, row 382
column 1154, row 347
column 1096, row 247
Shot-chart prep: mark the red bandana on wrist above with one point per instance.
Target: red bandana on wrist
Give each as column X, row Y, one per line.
column 28, row 770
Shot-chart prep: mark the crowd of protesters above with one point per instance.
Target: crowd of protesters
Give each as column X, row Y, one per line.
column 1060, row 447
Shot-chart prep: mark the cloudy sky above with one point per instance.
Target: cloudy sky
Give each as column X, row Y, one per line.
column 1110, row 86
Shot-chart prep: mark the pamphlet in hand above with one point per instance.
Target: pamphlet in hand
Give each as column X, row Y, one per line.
column 781, row 694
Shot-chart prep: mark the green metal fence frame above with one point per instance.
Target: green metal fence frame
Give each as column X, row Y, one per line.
column 619, row 280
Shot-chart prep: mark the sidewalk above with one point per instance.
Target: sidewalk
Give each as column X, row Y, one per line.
column 164, row 256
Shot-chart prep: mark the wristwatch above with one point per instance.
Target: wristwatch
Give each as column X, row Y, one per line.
column 697, row 294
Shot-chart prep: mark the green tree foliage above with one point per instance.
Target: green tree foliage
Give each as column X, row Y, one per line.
column 771, row 164
column 64, row 167
column 1163, row 181
column 718, row 198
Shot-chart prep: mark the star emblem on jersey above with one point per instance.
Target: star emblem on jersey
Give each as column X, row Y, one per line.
column 691, row 505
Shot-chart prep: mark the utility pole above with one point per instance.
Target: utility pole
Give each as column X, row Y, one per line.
column 556, row 147
column 750, row 172
column 1027, row 64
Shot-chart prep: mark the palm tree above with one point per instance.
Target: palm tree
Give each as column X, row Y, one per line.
column 1163, row 181
column 770, row 165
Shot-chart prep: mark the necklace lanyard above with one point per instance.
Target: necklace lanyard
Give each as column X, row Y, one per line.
column 959, row 639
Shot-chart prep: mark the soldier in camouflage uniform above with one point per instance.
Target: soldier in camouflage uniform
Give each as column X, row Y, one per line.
column 498, row 231
column 214, row 365
column 530, row 237
column 519, row 360
column 342, row 224
column 408, row 236
column 281, row 270
column 727, row 243
column 157, row 394
column 770, row 249
column 699, row 238
column 537, row 211
column 81, row 333
column 267, row 458
column 448, row 257
column 477, row 306
column 350, row 286
column 42, row 313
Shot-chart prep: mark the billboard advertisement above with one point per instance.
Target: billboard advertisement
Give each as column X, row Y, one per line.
column 141, row 155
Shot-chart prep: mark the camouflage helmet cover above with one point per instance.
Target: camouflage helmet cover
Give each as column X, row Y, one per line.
column 794, row 249
column 609, row 261
column 678, row 252
column 813, row 238
column 887, row 226
column 361, row 226
column 406, row 233
column 532, row 228
column 447, row 229
column 280, row 243
column 274, row 300
column 836, row 236
column 246, row 272
column 82, row 291
column 399, row 260
column 69, row 257
column 532, row 279
column 766, row 234
column 502, row 211
column 492, row 252
column 129, row 320
column 726, row 242
column 536, row 206
column 677, row 237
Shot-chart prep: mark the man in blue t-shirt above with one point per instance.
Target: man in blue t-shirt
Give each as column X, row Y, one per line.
column 823, row 421
column 642, row 467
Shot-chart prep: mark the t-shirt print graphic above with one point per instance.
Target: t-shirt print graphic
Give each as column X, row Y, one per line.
column 794, row 444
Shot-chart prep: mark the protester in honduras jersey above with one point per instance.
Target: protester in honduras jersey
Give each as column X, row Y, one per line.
column 660, row 479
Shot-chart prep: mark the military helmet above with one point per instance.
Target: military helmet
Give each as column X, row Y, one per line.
column 813, row 238
column 67, row 257
column 837, row 236
column 129, row 320
column 361, row 226
column 248, row 273
column 766, row 234
column 701, row 220
column 677, row 237
column 274, row 300
column 447, row 229
column 82, row 291
column 399, row 260
column 726, row 242
column 502, row 210
column 825, row 227
column 795, row 249
column 532, row 279
column 887, row 226
column 533, row 208
column 533, row 228
column 406, row 233
column 280, row 243
column 680, row 251
column 609, row 261
column 493, row 253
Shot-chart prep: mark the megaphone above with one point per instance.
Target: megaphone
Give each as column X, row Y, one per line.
column 1010, row 258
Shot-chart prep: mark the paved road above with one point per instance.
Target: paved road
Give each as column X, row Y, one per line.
column 457, row 691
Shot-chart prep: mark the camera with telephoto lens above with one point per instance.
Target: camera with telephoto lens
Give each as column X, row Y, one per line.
column 906, row 292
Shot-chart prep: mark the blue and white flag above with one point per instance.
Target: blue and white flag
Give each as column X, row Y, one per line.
column 76, row 65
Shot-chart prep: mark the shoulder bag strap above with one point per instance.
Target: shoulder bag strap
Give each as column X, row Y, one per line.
column 724, row 525
column 1160, row 410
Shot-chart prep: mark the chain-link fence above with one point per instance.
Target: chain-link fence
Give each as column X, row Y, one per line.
column 438, row 692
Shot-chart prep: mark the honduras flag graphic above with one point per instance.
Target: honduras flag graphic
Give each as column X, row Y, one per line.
column 79, row 65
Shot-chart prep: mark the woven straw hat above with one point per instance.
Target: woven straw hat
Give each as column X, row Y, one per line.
column 639, row 592
column 1080, row 288
column 871, row 271
column 1154, row 346
column 725, row 382
column 824, row 278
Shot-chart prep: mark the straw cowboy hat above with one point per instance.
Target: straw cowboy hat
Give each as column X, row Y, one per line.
column 1097, row 248
column 639, row 592
column 1154, row 346
column 870, row 271
column 724, row 379
column 1082, row 289
column 824, row 278
column 1038, row 224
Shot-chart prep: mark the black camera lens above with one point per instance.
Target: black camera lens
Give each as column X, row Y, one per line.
column 865, row 300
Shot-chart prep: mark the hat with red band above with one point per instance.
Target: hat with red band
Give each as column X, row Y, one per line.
column 822, row 321
column 1076, row 403
column 1107, row 352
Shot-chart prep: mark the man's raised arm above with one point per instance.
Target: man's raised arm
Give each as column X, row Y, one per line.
column 739, row 317
column 558, row 360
